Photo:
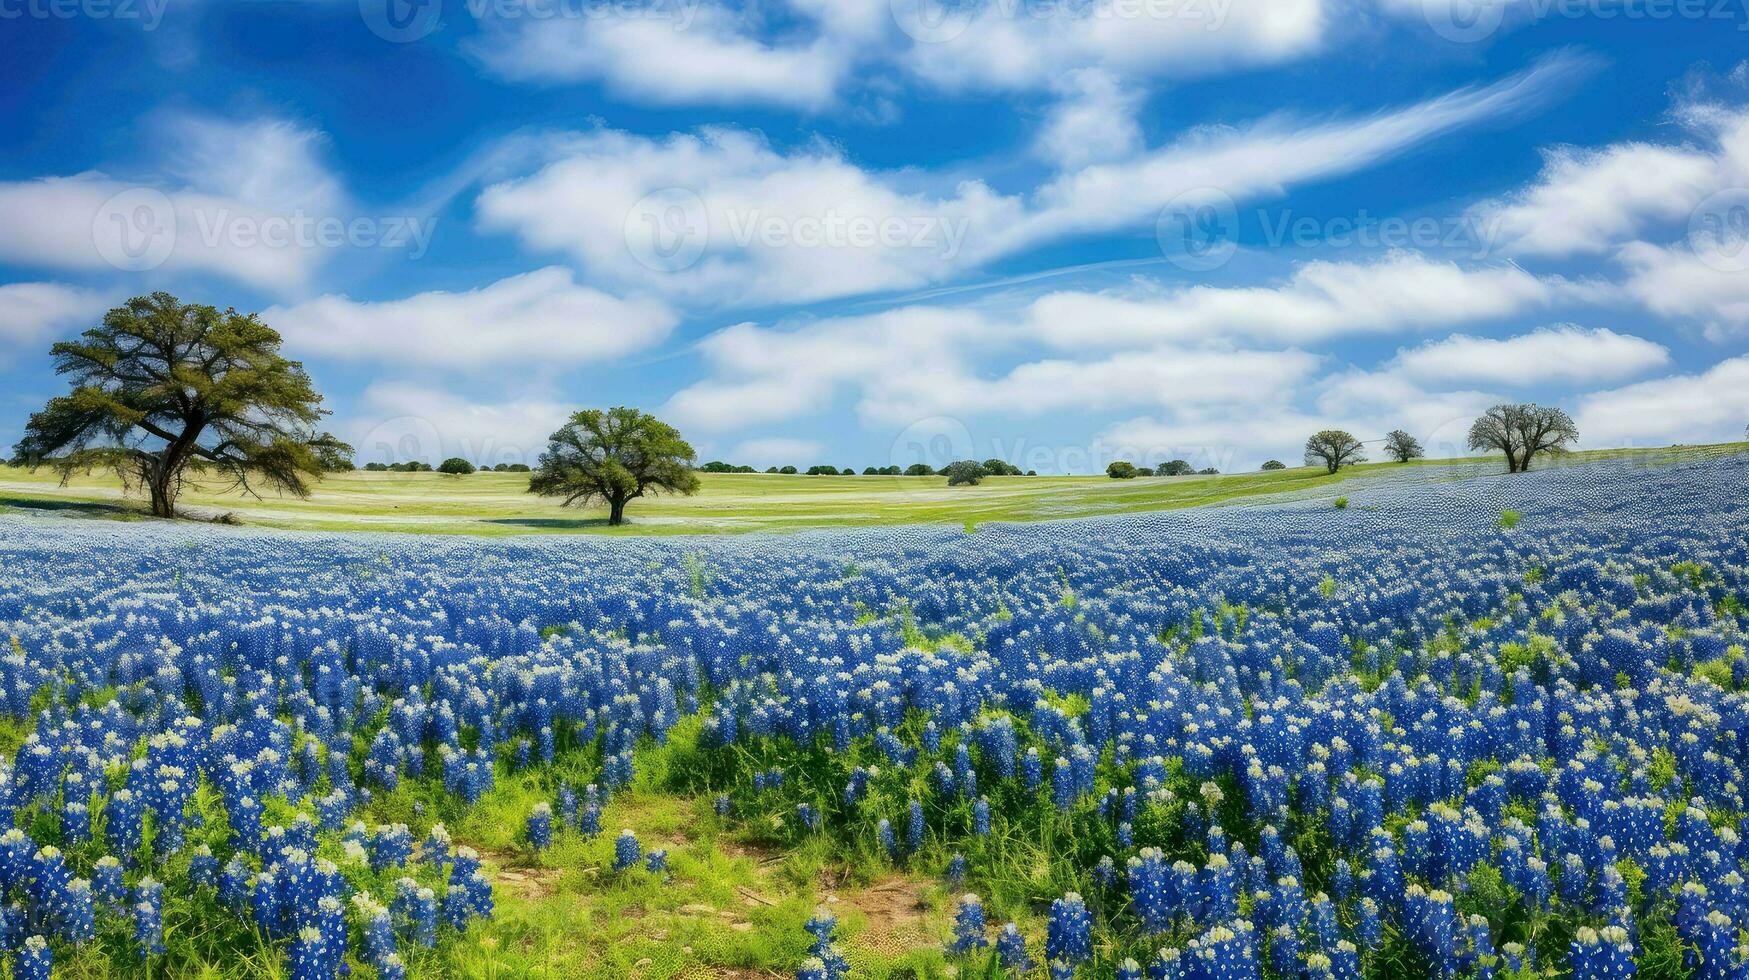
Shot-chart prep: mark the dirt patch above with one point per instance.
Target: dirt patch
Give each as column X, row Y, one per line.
column 510, row 873
column 895, row 911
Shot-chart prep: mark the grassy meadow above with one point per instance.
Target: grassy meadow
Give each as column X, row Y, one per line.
column 488, row 503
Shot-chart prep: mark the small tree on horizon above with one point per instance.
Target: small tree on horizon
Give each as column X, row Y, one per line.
column 614, row 456
column 1333, row 449
column 1402, row 447
column 964, row 473
column 1274, row 464
column 161, row 386
column 1521, row 431
column 455, row 466
column 1121, row 470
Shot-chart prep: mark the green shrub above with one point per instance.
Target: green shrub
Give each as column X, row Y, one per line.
column 1341, row 503
column 455, row 466
column 1509, row 518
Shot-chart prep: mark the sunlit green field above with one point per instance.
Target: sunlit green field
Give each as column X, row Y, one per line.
column 497, row 503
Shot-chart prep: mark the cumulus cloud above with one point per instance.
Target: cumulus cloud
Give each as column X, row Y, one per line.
column 240, row 199
column 401, row 421
column 1590, row 200
column 1399, row 292
column 1566, row 354
column 34, row 311
column 1709, row 406
column 701, row 54
column 537, row 319
column 1093, row 121
column 1697, row 279
column 721, row 216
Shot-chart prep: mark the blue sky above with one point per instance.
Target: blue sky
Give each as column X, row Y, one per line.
column 869, row 231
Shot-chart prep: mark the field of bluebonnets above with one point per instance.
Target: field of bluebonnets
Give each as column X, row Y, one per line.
column 1491, row 727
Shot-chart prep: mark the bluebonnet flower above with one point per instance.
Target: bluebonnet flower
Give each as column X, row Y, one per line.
column 1129, row 969
column 626, row 850
column 981, row 817
column 540, row 827
column 1148, row 889
column 149, row 918
column 968, row 925
column 956, row 869
column 914, row 828
column 884, row 835
column 1011, row 949
column 33, row 961
column 656, row 862
column 1069, row 936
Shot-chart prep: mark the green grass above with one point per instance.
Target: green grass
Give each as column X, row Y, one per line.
column 497, row 504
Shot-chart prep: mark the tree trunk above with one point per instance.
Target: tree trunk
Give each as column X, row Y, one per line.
column 163, row 487
column 616, row 510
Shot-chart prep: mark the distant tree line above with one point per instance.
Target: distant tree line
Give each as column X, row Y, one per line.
column 455, row 466
column 1123, row 469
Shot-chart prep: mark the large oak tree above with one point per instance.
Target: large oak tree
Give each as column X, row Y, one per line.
column 1522, row 431
column 615, row 457
column 163, row 386
column 1333, row 449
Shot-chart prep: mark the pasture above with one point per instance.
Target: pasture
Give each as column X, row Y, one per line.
column 489, row 503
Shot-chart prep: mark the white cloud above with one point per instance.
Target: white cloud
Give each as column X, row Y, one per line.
column 34, row 311
column 1368, row 404
column 538, row 319
column 402, row 421
column 777, row 451
column 1562, row 354
column 1677, row 281
column 713, row 57
column 915, row 363
column 770, row 227
column 761, row 375
column 1589, row 201
column 240, row 199
column 1710, row 406
column 804, row 54
column 735, row 221
column 1402, row 291
column 1093, row 121
column 1025, row 46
